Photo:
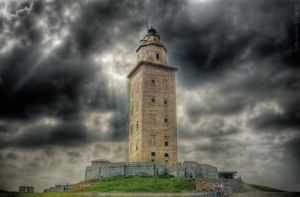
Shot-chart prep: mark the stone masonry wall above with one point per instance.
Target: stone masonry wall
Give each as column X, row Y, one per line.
column 135, row 122
column 195, row 170
column 182, row 170
column 152, row 127
column 236, row 185
column 159, row 115
column 148, row 53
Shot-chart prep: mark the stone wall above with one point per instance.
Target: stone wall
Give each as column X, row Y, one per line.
column 135, row 124
column 26, row 189
column 183, row 170
column 58, row 188
column 149, row 52
column 230, row 185
column 236, row 185
column 152, row 130
column 159, row 115
column 195, row 170
column 126, row 169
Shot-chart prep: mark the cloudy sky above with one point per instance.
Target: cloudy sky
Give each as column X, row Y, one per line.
column 63, row 85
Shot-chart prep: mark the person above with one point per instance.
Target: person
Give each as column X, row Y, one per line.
column 222, row 190
column 219, row 190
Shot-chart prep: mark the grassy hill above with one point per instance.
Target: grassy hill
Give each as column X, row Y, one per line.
column 136, row 184
column 133, row 184
column 151, row 184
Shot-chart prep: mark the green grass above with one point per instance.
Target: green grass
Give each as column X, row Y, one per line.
column 56, row 194
column 68, row 195
column 8, row 194
column 142, row 184
column 151, row 184
column 265, row 188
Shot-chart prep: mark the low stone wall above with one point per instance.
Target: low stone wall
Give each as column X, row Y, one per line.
column 128, row 169
column 58, row 188
column 184, row 170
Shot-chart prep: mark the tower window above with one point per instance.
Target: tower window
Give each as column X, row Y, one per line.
column 166, row 143
column 137, row 125
column 166, row 154
column 153, row 154
column 157, row 56
column 153, row 82
column 165, row 102
column 166, row 120
column 153, row 100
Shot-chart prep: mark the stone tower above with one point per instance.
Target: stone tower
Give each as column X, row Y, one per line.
column 152, row 130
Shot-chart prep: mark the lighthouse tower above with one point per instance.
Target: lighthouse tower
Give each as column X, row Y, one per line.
column 152, row 129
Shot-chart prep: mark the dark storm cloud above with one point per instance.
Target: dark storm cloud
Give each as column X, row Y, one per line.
column 224, row 107
column 293, row 147
column 289, row 119
column 32, row 83
column 253, row 39
column 67, row 134
column 12, row 156
column 3, row 128
column 65, row 82
column 74, row 154
column 224, row 34
column 55, row 90
column 215, row 130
